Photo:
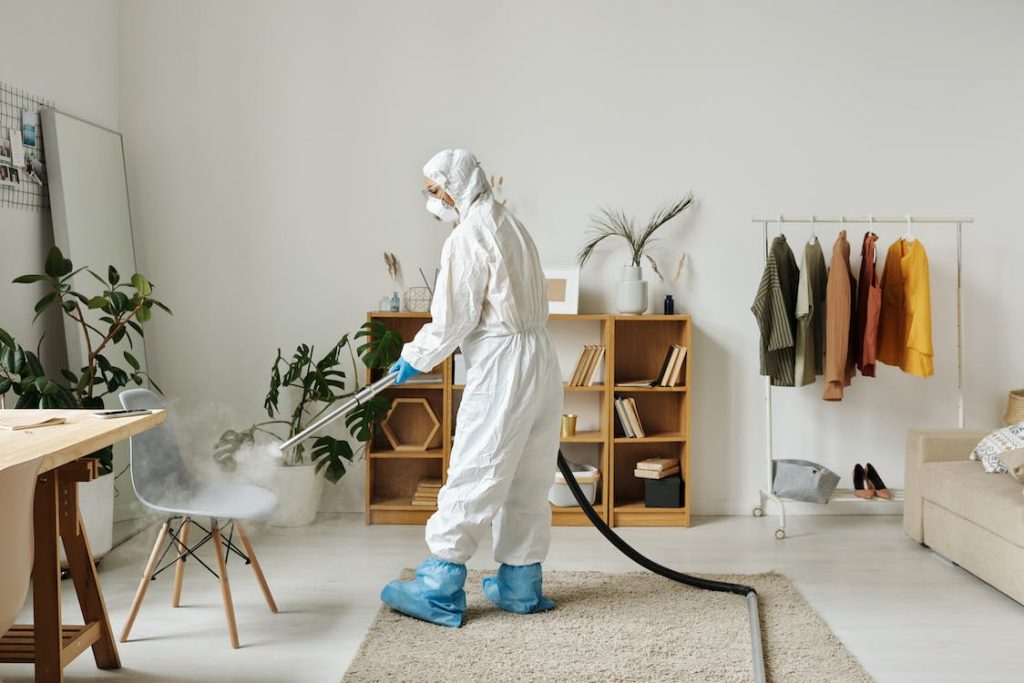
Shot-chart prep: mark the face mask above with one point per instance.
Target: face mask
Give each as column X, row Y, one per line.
column 442, row 210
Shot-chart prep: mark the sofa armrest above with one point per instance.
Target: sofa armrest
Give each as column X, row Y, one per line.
column 924, row 446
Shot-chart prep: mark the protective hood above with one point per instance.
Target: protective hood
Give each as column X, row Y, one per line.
column 459, row 173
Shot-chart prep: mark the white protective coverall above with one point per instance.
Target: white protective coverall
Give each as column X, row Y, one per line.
column 491, row 300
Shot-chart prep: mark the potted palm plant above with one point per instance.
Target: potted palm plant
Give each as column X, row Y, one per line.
column 312, row 386
column 110, row 318
column 631, row 290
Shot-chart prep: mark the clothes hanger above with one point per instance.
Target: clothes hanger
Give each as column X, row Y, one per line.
column 780, row 225
column 842, row 223
column 871, row 223
column 908, row 236
column 814, row 235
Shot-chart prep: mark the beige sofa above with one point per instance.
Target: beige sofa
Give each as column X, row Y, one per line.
column 966, row 515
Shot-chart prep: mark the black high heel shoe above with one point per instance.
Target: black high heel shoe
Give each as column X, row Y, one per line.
column 875, row 482
column 859, row 489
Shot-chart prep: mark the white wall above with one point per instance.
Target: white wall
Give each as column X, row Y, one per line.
column 274, row 152
column 65, row 52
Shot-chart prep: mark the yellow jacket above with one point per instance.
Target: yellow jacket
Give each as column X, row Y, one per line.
column 905, row 324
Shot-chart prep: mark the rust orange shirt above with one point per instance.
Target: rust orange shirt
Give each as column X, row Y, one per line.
column 869, row 306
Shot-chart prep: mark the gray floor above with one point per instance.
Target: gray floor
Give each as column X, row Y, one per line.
column 905, row 614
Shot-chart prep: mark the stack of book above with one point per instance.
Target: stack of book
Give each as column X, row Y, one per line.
column 656, row 468
column 426, row 492
column 586, row 374
column 629, row 419
column 671, row 368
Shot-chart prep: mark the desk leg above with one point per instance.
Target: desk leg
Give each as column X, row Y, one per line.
column 83, row 573
column 46, row 583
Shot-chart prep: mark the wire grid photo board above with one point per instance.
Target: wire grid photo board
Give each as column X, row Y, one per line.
column 26, row 193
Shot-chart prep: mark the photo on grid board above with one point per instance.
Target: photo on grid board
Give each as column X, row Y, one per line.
column 15, row 176
column 29, row 128
column 35, row 170
column 17, row 148
column 5, row 145
column 5, row 175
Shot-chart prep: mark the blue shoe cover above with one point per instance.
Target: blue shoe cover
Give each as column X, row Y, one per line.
column 436, row 595
column 517, row 589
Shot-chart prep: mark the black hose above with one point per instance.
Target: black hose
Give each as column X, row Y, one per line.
column 756, row 644
column 628, row 551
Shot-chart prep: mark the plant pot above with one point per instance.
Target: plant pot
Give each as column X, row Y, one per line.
column 298, row 490
column 96, row 501
column 631, row 292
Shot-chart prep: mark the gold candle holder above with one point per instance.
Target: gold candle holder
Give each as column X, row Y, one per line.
column 568, row 426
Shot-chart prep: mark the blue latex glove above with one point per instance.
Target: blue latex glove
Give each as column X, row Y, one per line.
column 405, row 371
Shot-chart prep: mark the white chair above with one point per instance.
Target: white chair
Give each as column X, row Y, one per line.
column 17, row 493
column 163, row 483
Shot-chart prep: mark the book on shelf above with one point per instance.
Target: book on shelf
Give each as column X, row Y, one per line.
column 592, row 375
column 634, row 416
column 677, row 370
column 671, row 367
column 629, row 418
column 585, row 373
column 620, row 412
column 656, row 474
column 638, row 383
column 657, row 464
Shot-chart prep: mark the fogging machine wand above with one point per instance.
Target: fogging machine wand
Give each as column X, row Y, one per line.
column 369, row 391
column 360, row 397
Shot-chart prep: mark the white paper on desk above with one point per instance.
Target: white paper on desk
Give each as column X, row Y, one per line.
column 17, row 149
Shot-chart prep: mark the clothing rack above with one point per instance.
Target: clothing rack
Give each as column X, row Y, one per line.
column 846, row 495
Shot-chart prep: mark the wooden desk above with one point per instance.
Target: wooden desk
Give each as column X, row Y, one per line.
column 48, row 642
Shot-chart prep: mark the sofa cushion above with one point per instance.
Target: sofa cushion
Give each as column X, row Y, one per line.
column 991, row 449
column 992, row 501
column 1014, row 461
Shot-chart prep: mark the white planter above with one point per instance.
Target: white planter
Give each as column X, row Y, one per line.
column 96, row 501
column 298, row 492
column 631, row 292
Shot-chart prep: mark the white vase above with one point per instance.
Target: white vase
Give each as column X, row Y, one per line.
column 96, row 501
column 298, row 490
column 631, row 291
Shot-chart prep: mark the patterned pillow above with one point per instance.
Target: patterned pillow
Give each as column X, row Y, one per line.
column 989, row 449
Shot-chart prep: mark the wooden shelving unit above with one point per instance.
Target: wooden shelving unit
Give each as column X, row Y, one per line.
column 391, row 476
column 639, row 346
column 635, row 347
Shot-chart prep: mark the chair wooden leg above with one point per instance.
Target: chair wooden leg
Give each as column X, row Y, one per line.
column 179, row 567
column 225, row 587
column 257, row 570
column 140, row 594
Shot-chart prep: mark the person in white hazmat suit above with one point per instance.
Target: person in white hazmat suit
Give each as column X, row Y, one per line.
column 490, row 300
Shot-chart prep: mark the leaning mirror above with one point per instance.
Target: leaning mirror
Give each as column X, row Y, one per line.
column 92, row 226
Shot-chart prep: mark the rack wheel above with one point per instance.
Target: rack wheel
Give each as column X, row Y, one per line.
column 780, row 534
column 758, row 512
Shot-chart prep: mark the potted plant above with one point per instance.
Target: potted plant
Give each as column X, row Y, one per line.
column 631, row 290
column 314, row 386
column 116, row 314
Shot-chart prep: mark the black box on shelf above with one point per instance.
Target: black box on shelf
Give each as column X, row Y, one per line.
column 664, row 493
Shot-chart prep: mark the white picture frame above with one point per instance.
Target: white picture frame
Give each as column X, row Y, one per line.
column 563, row 287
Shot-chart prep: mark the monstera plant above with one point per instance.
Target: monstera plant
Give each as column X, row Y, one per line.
column 313, row 386
column 116, row 313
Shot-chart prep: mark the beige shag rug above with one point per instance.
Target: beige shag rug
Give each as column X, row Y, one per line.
column 611, row 627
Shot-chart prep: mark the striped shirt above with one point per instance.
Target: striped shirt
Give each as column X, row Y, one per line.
column 775, row 310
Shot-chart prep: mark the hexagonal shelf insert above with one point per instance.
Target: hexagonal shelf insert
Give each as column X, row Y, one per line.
column 411, row 425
